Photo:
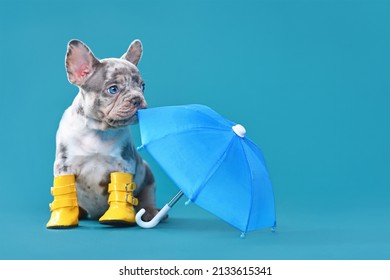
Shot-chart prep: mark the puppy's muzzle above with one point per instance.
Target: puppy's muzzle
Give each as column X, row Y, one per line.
column 138, row 103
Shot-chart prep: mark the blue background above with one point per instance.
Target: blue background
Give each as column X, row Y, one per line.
column 308, row 79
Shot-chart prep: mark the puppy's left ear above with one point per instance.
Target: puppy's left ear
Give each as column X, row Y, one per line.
column 134, row 53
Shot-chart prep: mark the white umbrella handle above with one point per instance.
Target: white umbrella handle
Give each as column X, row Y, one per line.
column 160, row 215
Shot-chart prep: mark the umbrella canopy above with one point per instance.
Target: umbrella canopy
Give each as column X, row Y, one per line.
column 212, row 161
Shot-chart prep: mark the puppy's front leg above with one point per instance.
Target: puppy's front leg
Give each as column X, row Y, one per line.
column 121, row 201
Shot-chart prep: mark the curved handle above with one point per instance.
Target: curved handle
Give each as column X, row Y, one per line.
column 155, row 220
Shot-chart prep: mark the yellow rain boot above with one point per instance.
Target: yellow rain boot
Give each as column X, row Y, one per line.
column 121, row 211
column 64, row 208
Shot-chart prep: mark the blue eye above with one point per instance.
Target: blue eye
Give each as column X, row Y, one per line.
column 143, row 86
column 113, row 90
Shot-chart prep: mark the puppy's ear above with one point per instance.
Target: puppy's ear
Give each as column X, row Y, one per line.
column 80, row 62
column 134, row 52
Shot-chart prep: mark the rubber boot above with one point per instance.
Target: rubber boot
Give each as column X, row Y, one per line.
column 64, row 208
column 121, row 201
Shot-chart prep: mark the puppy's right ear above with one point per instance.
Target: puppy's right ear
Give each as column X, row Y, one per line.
column 80, row 62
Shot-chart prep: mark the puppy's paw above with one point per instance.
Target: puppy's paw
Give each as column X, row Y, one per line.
column 150, row 213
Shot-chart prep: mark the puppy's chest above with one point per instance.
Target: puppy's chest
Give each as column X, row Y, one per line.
column 96, row 153
column 94, row 144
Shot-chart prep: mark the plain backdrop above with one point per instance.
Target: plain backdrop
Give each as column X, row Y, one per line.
column 308, row 79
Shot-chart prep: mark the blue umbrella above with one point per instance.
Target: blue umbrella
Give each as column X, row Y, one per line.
column 212, row 161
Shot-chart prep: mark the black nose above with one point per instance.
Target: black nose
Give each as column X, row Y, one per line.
column 136, row 102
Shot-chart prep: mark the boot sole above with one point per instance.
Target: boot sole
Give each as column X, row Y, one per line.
column 117, row 223
column 62, row 227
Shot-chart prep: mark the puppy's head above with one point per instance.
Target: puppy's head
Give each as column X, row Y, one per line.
column 112, row 89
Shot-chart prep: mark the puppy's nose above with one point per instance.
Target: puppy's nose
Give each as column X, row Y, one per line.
column 136, row 101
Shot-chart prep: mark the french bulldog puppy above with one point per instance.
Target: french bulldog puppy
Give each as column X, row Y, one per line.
column 93, row 139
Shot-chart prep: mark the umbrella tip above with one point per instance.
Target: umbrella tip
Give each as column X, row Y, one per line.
column 242, row 236
column 273, row 228
column 140, row 147
column 239, row 130
column 187, row 202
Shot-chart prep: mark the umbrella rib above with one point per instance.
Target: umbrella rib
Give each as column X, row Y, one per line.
column 214, row 168
column 251, row 182
column 184, row 131
column 213, row 119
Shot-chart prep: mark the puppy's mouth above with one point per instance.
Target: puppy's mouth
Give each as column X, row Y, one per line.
column 122, row 122
column 126, row 114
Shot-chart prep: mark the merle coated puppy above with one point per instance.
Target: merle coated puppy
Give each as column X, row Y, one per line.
column 93, row 138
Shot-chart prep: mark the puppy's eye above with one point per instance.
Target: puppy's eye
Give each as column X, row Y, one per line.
column 113, row 90
column 143, row 86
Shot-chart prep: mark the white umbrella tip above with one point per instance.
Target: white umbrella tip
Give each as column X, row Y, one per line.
column 239, row 130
